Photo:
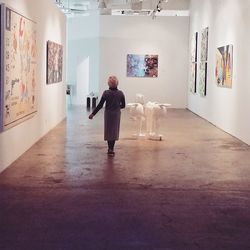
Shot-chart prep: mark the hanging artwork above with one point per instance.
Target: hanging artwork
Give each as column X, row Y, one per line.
column 18, row 68
column 193, row 77
column 203, row 79
column 204, row 44
column 203, row 63
column 142, row 65
column 194, row 47
column 193, row 64
column 54, row 62
column 224, row 66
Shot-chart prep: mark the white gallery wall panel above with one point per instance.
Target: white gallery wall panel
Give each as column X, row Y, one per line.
column 228, row 22
column 166, row 37
column 51, row 106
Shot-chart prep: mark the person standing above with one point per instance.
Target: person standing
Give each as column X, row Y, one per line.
column 115, row 101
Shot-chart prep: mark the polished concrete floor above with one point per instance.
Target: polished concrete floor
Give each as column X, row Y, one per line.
column 189, row 191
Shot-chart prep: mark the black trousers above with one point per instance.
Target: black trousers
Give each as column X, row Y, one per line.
column 111, row 145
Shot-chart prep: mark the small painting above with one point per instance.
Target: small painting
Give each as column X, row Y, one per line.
column 193, row 76
column 142, row 65
column 224, row 66
column 204, row 44
column 194, row 47
column 54, row 62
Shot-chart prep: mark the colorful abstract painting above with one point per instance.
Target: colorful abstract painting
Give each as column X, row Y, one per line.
column 203, row 79
column 54, row 62
column 224, row 66
column 142, row 65
column 204, row 44
column 194, row 47
column 18, row 68
column 193, row 76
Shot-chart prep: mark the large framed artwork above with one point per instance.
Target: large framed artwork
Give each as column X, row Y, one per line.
column 224, row 66
column 203, row 63
column 193, row 63
column 54, row 62
column 142, row 65
column 18, row 59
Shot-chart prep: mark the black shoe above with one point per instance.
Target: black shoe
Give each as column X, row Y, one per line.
column 111, row 152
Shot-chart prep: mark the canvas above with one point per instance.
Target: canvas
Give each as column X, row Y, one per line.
column 224, row 66
column 142, row 65
column 194, row 47
column 54, row 62
column 203, row 79
column 204, row 44
column 193, row 76
column 18, row 68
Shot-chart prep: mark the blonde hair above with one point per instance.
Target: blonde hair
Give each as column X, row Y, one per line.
column 112, row 81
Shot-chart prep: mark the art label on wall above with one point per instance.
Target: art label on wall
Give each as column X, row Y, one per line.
column 142, row 65
column 203, row 79
column 54, row 62
column 203, row 63
column 18, row 68
column 193, row 64
column 224, row 66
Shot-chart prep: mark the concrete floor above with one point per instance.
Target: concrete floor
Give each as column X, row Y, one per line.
column 189, row 191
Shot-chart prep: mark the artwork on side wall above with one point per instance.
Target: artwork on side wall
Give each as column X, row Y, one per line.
column 203, row 63
column 203, row 79
column 204, row 44
column 142, row 65
column 18, row 68
column 54, row 62
column 194, row 47
column 193, row 64
column 193, row 77
column 224, row 66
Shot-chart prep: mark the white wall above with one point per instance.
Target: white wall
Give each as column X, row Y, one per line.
column 51, row 25
column 165, row 36
column 229, row 23
column 83, row 42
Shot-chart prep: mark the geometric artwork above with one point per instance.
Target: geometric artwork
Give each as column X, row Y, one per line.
column 142, row 65
column 54, row 62
column 204, row 44
column 224, row 66
column 18, row 68
column 193, row 63
column 193, row 77
column 203, row 78
column 203, row 63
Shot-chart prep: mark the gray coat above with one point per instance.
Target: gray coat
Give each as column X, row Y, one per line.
column 115, row 101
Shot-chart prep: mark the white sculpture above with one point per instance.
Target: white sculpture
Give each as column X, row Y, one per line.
column 137, row 114
column 152, row 112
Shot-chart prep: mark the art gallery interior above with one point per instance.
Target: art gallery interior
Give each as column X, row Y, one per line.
column 188, row 190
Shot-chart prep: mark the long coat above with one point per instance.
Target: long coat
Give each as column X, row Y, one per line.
column 115, row 101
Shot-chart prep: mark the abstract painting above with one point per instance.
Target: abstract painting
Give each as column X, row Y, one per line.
column 193, row 76
column 18, row 68
column 224, row 66
column 203, row 79
column 204, row 44
column 194, row 47
column 54, row 62
column 142, row 65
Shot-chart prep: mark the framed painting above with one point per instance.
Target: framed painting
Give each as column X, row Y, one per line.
column 54, row 62
column 203, row 79
column 224, row 66
column 193, row 77
column 142, row 65
column 204, row 44
column 18, row 59
column 194, row 47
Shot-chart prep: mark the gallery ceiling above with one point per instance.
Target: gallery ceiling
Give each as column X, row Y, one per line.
column 124, row 7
